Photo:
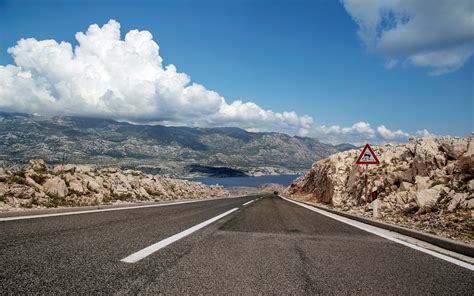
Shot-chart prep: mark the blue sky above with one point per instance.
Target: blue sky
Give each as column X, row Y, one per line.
column 302, row 56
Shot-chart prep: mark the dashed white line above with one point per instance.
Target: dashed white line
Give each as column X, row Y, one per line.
column 249, row 202
column 383, row 233
column 135, row 257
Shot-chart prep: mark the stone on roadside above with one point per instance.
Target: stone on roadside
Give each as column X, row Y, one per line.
column 56, row 187
column 454, row 147
column 37, row 165
column 428, row 198
column 32, row 183
column 422, row 183
column 457, row 200
column 67, row 168
column 405, row 186
column 470, row 185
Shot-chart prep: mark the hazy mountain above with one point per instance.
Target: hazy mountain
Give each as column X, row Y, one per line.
column 154, row 148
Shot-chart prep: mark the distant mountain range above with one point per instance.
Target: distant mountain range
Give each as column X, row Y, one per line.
column 155, row 148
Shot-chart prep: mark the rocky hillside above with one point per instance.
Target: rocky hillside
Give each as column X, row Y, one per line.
column 80, row 185
column 154, row 149
column 426, row 184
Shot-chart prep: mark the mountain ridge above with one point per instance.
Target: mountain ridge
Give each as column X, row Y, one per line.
column 168, row 149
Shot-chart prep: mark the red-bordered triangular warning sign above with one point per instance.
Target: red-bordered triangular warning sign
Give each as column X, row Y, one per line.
column 367, row 156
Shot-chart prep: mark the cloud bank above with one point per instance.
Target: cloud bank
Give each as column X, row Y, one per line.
column 124, row 79
column 361, row 132
column 437, row 34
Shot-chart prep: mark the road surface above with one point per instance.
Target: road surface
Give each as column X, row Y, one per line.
column 268, row 246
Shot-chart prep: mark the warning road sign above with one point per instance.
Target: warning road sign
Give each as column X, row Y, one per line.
column 367, row 156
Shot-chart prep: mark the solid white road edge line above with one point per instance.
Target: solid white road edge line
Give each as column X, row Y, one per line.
column 249, row 202
column 135, row 257
column 100, row 210
column 382, row 233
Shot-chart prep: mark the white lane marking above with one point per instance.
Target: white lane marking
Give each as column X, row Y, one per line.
column 135, row 257
column 383, row 233
column 249, row 202
column 100, row 210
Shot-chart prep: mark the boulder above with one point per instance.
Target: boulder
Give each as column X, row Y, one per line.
column 406, row 176
column 470, row 204
column 109, row 170
column 84, row 169
column 470, row 185
column 457, row 200
column 67, row 168
column 37, row 165
column 399, row 198
column 405, row 186
column 76, row 186
column 20, row 191
column 98, row 197
column 32, row 183
column 392, row 179
column 90, row 183
column 354, row 180
column 4, row 177
column 56, row 187
column 119, row 185
column 143, row 193
column 450, row 168
column 41, row 198
column 454, row 147
column 422, row 183
column 466, row 161
column 428, row 198
column 428, row 156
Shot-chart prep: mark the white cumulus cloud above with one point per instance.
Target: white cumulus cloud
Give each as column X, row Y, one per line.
column 389, row 134
column 360, row 133
column 107, row 76
column 424, row 133
column 436, row 34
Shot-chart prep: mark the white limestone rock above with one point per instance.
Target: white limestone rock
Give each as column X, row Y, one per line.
column 56, row 187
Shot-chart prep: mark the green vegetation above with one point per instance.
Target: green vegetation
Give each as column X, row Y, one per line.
column 55, row 201
column 216, row 171
column 26, row 205
column 436, row 182
column 107, row 199
column 17, row 179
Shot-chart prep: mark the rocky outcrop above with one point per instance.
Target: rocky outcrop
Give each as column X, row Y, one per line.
column 430, row 177
column 75, row 185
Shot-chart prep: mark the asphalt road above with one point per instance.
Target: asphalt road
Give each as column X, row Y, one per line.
column 269, row 246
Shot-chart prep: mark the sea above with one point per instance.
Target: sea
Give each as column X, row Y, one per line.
column 284, row 180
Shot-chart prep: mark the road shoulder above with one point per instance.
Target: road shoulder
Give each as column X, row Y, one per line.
column 383, row 230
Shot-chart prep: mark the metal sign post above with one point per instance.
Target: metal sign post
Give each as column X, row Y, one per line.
column 367, row 156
